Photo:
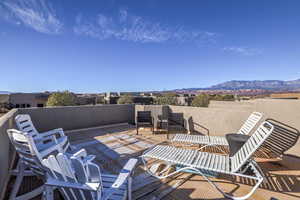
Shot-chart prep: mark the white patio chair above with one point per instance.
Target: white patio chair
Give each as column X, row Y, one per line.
column 31, row 151
column 204, row 163
column 246, row 128
column 77, row 179
column 24, row 124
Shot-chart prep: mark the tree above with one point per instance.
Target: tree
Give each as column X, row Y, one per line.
column 125, row 99
column 216, row 97
column 201, row 100
column 100, row 100
column 225, row 97
column 166, row 99
column 65, row 98
column 5, row 107
column 228, row 97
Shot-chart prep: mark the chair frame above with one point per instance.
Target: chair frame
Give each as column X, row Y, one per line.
column 237, row 165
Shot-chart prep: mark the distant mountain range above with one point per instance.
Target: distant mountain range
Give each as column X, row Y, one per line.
column 270, row 85
column 274, row 85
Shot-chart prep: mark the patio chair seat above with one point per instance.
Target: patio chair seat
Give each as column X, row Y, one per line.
column 190, row 157
column 200, row 139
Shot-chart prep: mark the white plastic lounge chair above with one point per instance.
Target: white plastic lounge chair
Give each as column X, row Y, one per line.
column 25, row 124
column 204, row 162
column 77, row 179
column 247, row 127
column 31, row 151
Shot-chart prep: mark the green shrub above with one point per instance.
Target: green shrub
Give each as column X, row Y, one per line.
column 201, row 100
column 125, row 99
column 166, row 99
column 100, row 100
column 228, row 97
column 65, row 98
column 219, row 97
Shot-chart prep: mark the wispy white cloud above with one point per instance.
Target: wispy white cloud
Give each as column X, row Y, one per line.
column 126, row 26
column 36, row 14
column 243, row 50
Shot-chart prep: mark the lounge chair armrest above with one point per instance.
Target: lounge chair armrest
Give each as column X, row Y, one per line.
column 83, row 155
column 89, row 158
column 125, row 173
column 58, row 131
column 55, row 147
column 83, row 186
column 46, row 138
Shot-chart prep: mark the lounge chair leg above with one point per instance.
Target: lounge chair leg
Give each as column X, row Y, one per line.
column 20, row 172
column 14, row 192
column 48, row 193
column 258, row 178
column 129, row 197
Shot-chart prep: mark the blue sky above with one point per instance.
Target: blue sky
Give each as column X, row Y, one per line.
column 136, row 45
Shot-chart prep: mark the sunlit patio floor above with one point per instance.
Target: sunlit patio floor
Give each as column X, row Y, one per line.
column 114, row 145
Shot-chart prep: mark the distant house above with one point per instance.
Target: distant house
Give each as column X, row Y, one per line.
column 24, row 100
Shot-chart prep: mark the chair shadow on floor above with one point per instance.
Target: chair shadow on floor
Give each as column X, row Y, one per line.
column 281, row 184
column 285, row 184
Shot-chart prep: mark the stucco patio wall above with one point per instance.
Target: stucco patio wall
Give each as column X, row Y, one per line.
column 6, row 150
column 77, row 117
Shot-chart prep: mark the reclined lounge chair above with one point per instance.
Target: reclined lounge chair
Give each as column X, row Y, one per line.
column 247, row 127
column 24, row 124
column 204, row 163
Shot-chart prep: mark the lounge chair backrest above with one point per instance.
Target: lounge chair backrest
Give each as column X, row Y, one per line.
column 74, row 170
column 250, row 123
column 25, row 124
column 27, row 150
column 252, row 144
column 284, row 138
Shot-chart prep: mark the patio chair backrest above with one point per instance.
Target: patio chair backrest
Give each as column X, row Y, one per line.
column 25, row 124
column 27, row 150
column 176, row 118
column 251, row 146
column 144, row 116
column 250, row 123
column 74, row 170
